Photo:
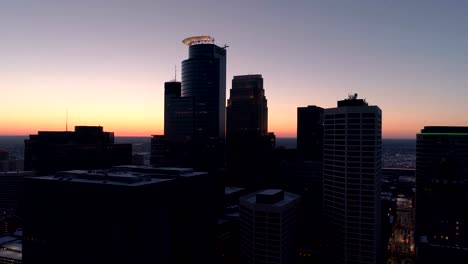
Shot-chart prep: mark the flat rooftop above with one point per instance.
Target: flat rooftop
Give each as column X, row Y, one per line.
column 104, row 177
column 231, row 190
column 124, row 175
column 160, row 171
column 9, row 254
column 270, row 197
column 11, row 248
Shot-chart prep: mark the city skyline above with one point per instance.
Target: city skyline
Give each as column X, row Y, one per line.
column 107, row 64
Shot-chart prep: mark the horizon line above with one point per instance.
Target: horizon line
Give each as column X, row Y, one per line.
column 151, row 136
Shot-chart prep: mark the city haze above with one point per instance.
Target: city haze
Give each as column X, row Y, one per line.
column 108, row 63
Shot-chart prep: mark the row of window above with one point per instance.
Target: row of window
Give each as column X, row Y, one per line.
column 350, row 115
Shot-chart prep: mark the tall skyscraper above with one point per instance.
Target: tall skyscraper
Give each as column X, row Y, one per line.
column 194, row 110
column 310, row 132
column 351, row 184
column 88, row 147
column 442, row 195
column 249, row 145
column 268, row 227
column 204, row 79
column 247, row 109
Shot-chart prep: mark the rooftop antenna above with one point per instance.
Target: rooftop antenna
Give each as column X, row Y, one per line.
column 66, row 122
column 175, row 73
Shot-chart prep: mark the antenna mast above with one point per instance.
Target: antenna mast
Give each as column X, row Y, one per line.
column 66, row 122
column 175, row 73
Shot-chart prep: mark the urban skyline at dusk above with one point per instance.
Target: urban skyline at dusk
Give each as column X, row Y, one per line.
column 107, row 64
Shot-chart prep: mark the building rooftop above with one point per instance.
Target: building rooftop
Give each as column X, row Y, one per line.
column 352, row 100
column 198, row 40
column 9, row 254
column 11, row 248
column 124, row 175
column 248, row 76
column 444, row 131
column 231, row 190
column 160, row 171
column 104, row 177
column 6, row 239
column 271, row 197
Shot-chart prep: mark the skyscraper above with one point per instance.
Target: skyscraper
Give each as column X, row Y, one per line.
column 194, row 110
column 442, row 195
column 268, row 227
column 310, row 132
column 351, row 184
column 249, row 145
column 247, row 109
column 204, row 79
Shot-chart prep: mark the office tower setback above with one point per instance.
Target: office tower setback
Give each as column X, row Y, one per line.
column 268, row 227
column 442, row 195
column 249, row 145
column 310, row 132
column 247, row 109
column 88, row 147
column 178, row 113
column 128, row 214
column 351, row 184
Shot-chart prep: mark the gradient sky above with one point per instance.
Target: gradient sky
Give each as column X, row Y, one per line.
column 107, row 60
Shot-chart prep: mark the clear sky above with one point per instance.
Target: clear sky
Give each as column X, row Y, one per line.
column 107, row 60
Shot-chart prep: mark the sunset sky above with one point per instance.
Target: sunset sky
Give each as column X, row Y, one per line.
column 107, row 60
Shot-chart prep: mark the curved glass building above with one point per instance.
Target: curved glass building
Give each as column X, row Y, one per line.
column 204, row 80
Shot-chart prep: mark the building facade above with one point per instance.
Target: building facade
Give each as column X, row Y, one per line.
column 351, row 182
column 442, row 195
column 195, row 109
column 247, row 109
column 249, row 146
column 128, row 214
column 268, row 227
column 178, row 113
column 310, row 132
column 204, row 80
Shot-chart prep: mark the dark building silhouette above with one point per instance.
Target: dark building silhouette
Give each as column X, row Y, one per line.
column 228, row 238
column 268, row 227
column 310, row 132
column 247, row 109
column 194, row 117
column 352, row 165
column 178, row 113
column 88, row 147
column 249, row 145
column 11, row 188
column 442, row 195
column 305, row 178
column 4, row 155
column 128, row 214
column 8, row 163
column 204, row 79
